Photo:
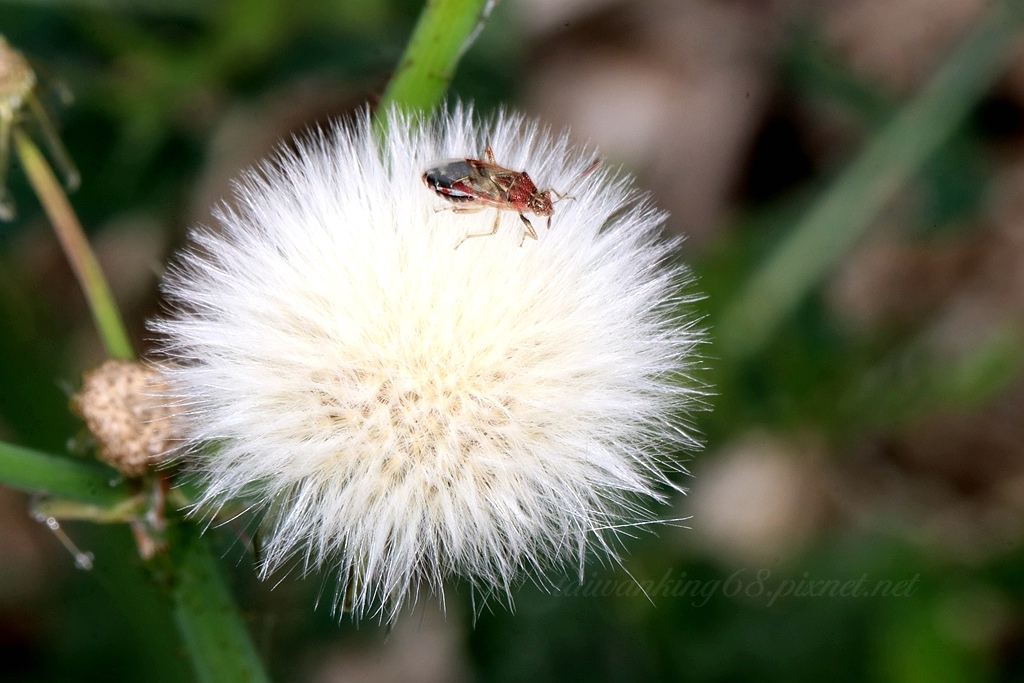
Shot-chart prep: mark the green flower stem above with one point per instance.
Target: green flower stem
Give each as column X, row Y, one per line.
column 84, row 482
column 861, row 193
column 444, row 32
column 76, row 247
column 123, row 512
column 208, row 620
column 214, row 635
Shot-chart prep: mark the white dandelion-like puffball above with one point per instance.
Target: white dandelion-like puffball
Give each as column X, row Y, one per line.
column 407, row 410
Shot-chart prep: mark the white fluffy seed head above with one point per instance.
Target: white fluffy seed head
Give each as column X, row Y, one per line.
column 406, row 411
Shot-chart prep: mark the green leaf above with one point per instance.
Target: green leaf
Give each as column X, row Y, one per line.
column 35, row 472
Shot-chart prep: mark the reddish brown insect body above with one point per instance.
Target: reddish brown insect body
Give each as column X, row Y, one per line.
column 475, row 185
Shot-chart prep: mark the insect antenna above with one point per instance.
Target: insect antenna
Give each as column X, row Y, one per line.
column 587, row 171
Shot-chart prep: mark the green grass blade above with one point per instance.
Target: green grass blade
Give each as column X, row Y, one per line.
column 853, row 203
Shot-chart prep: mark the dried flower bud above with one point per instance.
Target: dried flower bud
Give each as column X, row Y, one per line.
column 124, row 404
column 17, row 80
column 18, row 103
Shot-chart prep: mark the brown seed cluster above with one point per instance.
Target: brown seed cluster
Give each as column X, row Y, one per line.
column 125, row 406
column 16, row 80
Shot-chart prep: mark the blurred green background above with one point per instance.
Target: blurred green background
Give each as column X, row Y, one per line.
column 874, row 442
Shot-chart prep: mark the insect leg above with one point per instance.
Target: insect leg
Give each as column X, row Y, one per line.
column 489, row 155
column 464, row 209
column 494, row 229
column 471, row 208
column 560, row 196
column 529, row 229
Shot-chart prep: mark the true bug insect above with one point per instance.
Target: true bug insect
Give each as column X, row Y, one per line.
column 475, row 185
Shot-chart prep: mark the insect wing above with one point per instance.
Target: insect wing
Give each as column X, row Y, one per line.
column 490, row 180
column 451, row 179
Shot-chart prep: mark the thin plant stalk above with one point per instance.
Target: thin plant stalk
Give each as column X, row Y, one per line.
column 72, row 178
column 853, row 203
column 76, row 247
column 217, row 640
column 443, row 33
column 218, row 643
